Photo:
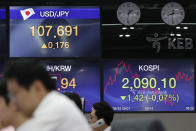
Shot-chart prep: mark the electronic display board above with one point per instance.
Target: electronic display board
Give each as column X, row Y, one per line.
column 149, row 85
column 55, row 31
column 3, row 32
column 81, row 77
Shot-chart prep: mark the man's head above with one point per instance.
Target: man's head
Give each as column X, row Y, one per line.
column 102, row 110
column 28, row 83
column 7, row 108
column 76, row 98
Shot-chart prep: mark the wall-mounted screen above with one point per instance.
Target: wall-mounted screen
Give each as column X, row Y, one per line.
column 149, row 85
column 3, row 32
column 55, row 31
column 81, row 77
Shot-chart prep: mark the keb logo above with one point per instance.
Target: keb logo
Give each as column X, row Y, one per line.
column 173, row 43
column 156, row 41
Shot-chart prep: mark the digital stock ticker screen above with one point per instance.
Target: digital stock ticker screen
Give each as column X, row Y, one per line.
column 149, row 85
column 54, row 31
column 3, row 32
column 81, row 77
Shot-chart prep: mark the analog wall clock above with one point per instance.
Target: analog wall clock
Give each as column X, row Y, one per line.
column 128, row 13
column 173, row 13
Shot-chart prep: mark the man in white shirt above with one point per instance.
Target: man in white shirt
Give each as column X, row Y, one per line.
column 101, row 116
column 31, row 88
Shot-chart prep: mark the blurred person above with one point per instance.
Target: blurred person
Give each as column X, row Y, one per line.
column 31, row 87
column 76, row 98
column 9, row 116
column 101, row 116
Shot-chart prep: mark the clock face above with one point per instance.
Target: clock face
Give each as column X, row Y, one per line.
column 173, row 13
column 128, row 13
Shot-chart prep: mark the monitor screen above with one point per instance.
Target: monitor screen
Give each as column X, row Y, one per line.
column 55, row 31
column 81, row 77
column 3, row 32
column 149, row 85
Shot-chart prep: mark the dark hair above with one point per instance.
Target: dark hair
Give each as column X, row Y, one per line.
column 76, row 98
column 27, row 71
column 3, row 91
column 105, row 111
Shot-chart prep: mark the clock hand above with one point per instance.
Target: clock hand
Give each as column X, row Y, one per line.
column 173, row 16
column 129, row 12
column 128, row 19
column 171, row 13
